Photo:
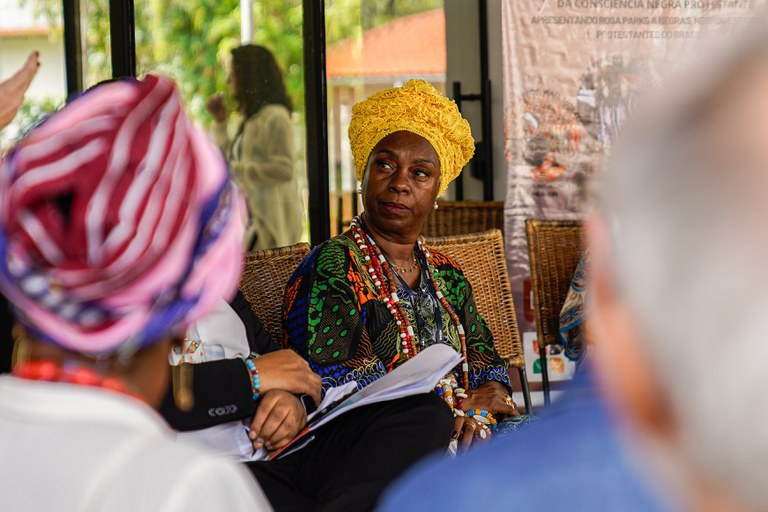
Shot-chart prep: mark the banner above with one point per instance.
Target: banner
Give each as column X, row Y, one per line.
column 573, row 71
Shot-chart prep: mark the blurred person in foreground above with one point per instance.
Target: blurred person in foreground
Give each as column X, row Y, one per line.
column 677, row 298
column 119, row 226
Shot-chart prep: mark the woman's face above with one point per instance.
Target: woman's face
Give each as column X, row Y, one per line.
column 400, row 185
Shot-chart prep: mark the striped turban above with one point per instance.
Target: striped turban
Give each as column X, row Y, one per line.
column 419, row 108
column 118, row 221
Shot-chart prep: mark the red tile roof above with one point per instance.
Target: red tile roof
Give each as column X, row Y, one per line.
column 24, row 32
column 411, row 45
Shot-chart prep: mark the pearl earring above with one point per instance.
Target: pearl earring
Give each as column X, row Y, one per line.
column 435, row 206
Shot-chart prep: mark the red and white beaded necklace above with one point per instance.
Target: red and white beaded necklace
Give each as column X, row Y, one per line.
column 380, row 271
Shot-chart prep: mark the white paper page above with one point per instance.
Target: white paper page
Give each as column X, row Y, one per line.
column 418, row 375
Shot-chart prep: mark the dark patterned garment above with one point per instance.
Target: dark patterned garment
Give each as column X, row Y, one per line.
column 335, row 320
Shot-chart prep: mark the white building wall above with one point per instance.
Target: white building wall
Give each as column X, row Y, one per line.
column 50, row 80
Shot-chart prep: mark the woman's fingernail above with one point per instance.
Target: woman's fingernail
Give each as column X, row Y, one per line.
column 252, row 435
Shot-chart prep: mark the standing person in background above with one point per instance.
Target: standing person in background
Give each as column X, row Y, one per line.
column 261, row 155
column 677, row 281
column 119, row 226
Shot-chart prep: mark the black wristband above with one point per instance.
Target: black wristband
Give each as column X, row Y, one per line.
column 308, row 403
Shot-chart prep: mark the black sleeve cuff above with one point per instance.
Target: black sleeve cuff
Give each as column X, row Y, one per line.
column 222, row 391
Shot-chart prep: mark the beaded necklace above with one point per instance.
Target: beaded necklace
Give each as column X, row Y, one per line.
column 51, row 371
column 380, row 271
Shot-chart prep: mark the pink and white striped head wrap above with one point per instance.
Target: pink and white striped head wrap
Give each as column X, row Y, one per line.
column 118, row 221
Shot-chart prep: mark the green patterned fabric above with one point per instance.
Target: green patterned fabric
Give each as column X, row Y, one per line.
column 335, row 320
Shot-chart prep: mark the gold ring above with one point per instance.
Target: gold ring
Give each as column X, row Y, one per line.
column 508, row 400
column 471, row 425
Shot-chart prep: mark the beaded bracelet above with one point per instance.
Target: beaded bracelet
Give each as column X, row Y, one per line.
column 255, row 384
column 450, row 392
column 484, row 417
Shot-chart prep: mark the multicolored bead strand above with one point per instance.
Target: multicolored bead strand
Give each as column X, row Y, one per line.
column 485, row 420
column 454, row 317
column 381, row 271
column 389, row 297
column 254, row 374
column 450, row 392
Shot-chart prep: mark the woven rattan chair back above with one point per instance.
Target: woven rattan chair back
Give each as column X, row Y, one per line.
column 263, row 283
column 481, row 256
column 554, row 251
column 462, row 217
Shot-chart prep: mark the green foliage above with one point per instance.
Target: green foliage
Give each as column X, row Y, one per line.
column 31, row 113
column 190, row 40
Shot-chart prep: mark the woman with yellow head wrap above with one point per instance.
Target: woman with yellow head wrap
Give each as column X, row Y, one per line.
column 371, row 298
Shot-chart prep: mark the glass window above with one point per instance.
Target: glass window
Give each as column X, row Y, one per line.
column 97, row 50
column 243, row 81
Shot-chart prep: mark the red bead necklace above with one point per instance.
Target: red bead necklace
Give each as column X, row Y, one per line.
column 51, row 371
column 381, row 272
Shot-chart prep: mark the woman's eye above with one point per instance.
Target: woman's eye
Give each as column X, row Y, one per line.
column 383, row 164
column 421, row 173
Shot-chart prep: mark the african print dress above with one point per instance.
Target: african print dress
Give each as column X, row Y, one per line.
column 334, row 319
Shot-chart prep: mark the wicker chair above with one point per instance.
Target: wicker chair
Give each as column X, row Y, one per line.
column 263, row 283
column 554, row 250
column 481, row 256
column 462, row 217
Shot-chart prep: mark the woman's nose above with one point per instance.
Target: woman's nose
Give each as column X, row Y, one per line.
column 399, row 181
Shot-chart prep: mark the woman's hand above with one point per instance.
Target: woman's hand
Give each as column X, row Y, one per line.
column 491, row 396
column 286, row 370
column 215, row 106
column 467, row 431
column 279, row 417
column 12, row 90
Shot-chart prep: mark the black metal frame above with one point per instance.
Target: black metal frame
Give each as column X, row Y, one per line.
column 544, row 374
column 316, row 105
column 122, row 36
column 483, row 159
column 73, row 47
column 525, row 389
column 123, row 43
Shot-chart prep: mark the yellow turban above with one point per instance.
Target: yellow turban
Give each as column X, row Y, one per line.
column 419, row 108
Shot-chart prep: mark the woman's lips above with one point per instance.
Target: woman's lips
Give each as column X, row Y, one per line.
column 392, row 207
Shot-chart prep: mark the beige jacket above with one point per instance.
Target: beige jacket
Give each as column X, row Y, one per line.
column 262, row 161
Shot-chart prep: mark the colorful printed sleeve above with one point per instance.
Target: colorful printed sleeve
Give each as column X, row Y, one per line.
column 484, row 362
column 324, row 317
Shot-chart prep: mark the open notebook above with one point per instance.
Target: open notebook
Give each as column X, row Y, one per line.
column 417, row 375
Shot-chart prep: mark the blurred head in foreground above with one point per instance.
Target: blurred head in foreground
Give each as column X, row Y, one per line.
column 679, row 280
column 118, row 226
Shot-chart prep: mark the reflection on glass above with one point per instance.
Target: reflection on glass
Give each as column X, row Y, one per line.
column 26, row 27
column 373, row 46
column 193, row 43
column 261, row 153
